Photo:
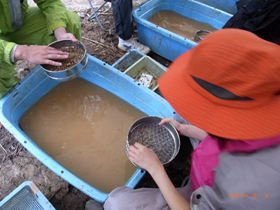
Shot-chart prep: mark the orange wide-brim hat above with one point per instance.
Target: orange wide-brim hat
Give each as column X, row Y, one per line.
column 227, row 85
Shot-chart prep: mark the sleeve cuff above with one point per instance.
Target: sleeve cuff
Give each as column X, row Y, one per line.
column 12, row 54
column 7, row 51
column 55, row 26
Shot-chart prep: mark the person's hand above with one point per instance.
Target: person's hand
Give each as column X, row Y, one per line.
column 185, row 130
column 143, row 157
column 60, row 33
column 171, row 120
column 40, row 54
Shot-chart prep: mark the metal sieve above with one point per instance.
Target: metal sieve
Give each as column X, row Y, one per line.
column 200, row 34
column 72, row 72
column 164, row 139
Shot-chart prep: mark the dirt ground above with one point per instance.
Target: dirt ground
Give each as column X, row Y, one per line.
column 18, row 165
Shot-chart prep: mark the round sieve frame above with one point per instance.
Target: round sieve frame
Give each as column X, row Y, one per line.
column 163, row 139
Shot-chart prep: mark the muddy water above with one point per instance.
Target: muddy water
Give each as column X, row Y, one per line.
column 179, row 24
column 84, row 127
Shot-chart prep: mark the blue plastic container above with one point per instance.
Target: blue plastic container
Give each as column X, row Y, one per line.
column 168, row 44
column 128, row 59
column 26, row 197
column 37, row 84
column 224, row 5
column 149, row 66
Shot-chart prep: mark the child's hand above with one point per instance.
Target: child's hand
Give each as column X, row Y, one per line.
column 143, row 157
column 185, row 130
column 171, row 120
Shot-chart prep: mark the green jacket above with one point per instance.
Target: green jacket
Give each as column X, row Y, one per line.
column 55, row 13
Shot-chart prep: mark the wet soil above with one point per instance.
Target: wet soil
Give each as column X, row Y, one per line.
column 18, row 165
column 75, row 56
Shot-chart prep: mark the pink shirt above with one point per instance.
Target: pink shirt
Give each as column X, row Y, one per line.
column 206, row 156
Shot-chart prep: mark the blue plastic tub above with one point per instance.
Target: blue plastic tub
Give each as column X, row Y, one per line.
column 37, row 84
column 26, row 197
column 128, row 59
column 168, row 44
column 224, row 5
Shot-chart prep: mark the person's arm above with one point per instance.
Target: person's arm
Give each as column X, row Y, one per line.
column 186, row 130
column 11, row 52
column 148, row 160
column 172, row 196
column 55, row 12
column 39, row 54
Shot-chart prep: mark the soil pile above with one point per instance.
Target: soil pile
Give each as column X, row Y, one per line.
column 75, row 56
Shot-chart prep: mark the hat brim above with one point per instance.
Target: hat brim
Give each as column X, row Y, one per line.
column 224, row 121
